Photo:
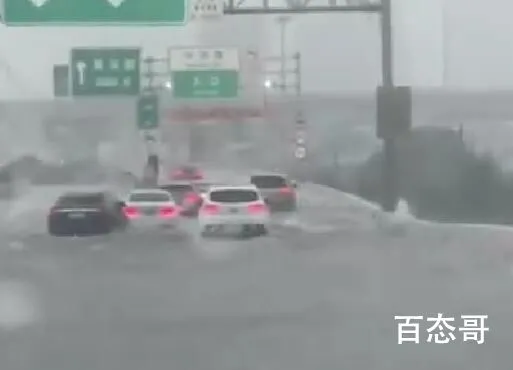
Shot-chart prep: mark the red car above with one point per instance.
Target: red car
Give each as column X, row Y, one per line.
column 187, row 196
column 187, row 173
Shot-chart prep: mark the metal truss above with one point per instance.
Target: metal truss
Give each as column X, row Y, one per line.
column 238, row 7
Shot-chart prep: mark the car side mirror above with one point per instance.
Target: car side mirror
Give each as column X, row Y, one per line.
column 294, row 184
column 121, row 204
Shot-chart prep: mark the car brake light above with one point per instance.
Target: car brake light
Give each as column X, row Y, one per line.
column 131, row 212
column 191, row 198
column 257, row 208
column 210, row 209
column 167, row 212
column 286, row 190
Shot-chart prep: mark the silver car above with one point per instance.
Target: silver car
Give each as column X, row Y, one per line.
column 278, row 190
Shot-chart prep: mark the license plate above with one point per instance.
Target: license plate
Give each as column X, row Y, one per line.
column 76, row 215
column 149, row 212
column 233, row 210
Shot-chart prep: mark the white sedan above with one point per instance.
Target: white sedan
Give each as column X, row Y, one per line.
column 234, row 206
column 151, row 207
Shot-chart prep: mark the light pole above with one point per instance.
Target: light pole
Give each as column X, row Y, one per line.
column 445, row 46
column 283, row 21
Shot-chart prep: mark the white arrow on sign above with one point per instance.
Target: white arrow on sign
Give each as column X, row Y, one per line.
column 81, row 67
column 115, row 3
column 300, row 137
column 39, row 3
column 300, row 152
column 214, row 81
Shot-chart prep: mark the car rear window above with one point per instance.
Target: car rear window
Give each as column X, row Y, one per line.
column 178, row 191
column 189, row 169
column 268, row 182
column 233, row 196
column 92, row 200
column 202, row 187
column 179, row 188
column 149, row 197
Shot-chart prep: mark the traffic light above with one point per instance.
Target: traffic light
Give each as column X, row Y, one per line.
column 148, row 112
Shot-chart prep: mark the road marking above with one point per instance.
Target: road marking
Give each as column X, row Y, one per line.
column 97, row 247
column 19, row 306
column 16, row 245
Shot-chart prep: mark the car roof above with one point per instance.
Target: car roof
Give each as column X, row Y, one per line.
column 276, row 174
column 233, row 187
column 175, row 183
column 80, row 194
column 71, row 195
column 148, row 190
column 188, row 165
column 209, row 184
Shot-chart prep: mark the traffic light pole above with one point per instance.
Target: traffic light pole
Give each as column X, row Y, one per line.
column 390, row 191
column 148, row 116
column 285, row 85
column 390, row 171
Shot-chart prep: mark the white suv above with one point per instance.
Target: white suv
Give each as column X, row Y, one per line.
column 241, row 206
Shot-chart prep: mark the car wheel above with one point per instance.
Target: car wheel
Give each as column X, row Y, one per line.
column 248, row 231
column 55, row 233
column 261, row 230
column 206, row 231
column 289, row 206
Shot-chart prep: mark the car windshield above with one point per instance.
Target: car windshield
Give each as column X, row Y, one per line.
column 149, row 197
column 268, row 182
column 233, row 196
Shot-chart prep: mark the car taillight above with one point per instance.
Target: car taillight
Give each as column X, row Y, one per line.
column 257, row 208
column 197, row 176
column 191, row 198
column 167, row 212
column 286, row 190
column 131, row 212
column 210, row 209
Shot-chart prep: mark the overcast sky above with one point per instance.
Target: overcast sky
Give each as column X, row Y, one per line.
column 459, row 44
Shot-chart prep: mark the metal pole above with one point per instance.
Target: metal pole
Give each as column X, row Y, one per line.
column 283, row 53
column 300, row 119
column 298, row 75
column 390, row 175
column 445, row 51
column 386, row 44
column 190, row 133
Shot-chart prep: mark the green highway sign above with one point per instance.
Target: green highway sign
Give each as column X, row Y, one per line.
column 205, row 84
column 105, row 72
column 94, row 12
column 205, row 73
column 147, row 112
column 61, row 80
